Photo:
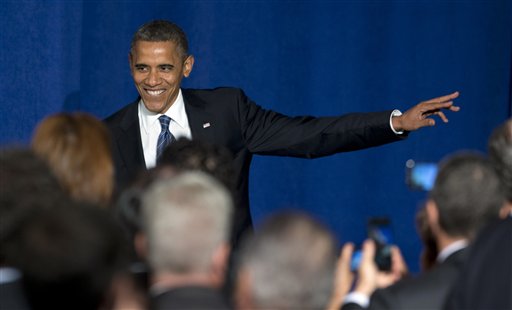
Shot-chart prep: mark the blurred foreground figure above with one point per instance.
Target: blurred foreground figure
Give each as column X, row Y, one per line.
column 185, row 235
column 289, row 263
column 467, row 195
column 26, row 184
column 70, row 256
column 77, row 148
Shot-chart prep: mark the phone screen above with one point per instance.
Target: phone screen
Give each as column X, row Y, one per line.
column 380, row 231
column 420, row 175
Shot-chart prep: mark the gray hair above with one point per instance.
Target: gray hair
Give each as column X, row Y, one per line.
column 291, row 261
column 185, row 219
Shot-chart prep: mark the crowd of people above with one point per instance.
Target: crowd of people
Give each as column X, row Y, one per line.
column 165, row 241
column 131, row 213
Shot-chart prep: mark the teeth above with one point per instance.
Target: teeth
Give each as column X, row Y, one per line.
column 155, row 92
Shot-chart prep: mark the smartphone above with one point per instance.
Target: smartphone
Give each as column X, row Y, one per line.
column 420, row 175
column 380, row 231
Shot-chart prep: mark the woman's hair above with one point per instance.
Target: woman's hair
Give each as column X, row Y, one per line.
column 77, row 148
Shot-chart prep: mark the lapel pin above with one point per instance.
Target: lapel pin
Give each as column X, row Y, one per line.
column 206, row 125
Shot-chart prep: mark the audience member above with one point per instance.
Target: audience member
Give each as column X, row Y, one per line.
column 486, row 278
column 186, row 226
column 485, row 281
column 78, row 149
column 429, row 252
column 180, row 156
column 500, row 155
column 289, row 263
column 26, row 183
column 467, row 194
column 187, row 155
column 69, row 256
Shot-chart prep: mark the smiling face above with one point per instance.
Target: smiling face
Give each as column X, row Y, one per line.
column 157, row 70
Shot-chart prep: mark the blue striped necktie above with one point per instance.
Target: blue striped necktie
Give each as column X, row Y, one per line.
column 165, row 137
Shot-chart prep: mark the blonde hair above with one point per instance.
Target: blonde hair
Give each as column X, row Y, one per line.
column 77, row 148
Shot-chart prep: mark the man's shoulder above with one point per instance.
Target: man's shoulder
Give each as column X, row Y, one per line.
column 117, row 117
column 222, row 90
column 429, row 288
column 218, row 94
column 190, row 297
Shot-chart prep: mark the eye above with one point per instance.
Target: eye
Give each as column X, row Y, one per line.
column 166, row 68
column 141, row 68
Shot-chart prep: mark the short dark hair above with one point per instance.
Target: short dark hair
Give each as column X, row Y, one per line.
column 500, row 155
column 68, row 256
column 468, row 193
column 26, row 183
column 215, row 160
column 160, row 31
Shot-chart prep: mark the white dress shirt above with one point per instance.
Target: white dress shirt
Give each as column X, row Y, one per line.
column 150, row 127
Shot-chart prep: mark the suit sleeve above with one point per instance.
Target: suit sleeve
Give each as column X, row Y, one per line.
column 271, row 133
column 383, row 299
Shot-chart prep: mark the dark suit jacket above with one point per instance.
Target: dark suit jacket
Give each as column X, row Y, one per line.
column 246, row 129
column 427, row 291
column 191, row 298
column 485, row 281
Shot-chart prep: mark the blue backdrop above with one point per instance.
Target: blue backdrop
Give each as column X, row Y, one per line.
column 297, row 57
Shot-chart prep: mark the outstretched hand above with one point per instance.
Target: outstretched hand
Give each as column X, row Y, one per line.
column 418, row 116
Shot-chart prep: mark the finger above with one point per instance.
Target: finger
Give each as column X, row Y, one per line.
column 346, row 256
column 344, row 276
column 398, row 265
column 368, row 251
column 427, row 122
column 442, row 116
column 444, row 98
column 433, row 106
column 454, row 108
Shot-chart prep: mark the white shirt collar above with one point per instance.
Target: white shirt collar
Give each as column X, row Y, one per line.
column 452, row 248
column 176, row 112
column 8, row 275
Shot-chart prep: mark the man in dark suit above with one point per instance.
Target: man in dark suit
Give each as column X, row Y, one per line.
column 467, row 194
column 485, row 281
column 159, row 59
column 186, row 223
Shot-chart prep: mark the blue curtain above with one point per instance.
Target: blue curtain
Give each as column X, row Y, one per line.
column 297, row 57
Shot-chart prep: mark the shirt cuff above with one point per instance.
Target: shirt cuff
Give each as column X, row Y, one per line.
column 395, row 113
column 357, row 298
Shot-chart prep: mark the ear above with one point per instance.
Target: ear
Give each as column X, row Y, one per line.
column 219, row 263
column 432, row 215
column 506, row 210
column 141, row 245
column 188, row 65
column 242, row 295
column 130, row 61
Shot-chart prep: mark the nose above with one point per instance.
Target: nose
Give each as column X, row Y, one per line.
column 153, row 78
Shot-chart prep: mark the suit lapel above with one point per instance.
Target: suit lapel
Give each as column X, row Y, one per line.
column 131, row 152
column 201, row 122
